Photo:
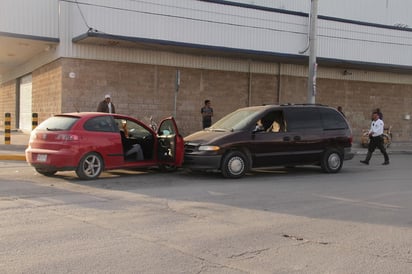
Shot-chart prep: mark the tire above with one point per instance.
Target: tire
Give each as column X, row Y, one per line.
column 90, row 166
column 234, row 165
column 331, row 161
column 46, row 172
column 167, row 168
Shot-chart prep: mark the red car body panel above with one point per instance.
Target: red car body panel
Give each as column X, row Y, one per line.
column 57, row 150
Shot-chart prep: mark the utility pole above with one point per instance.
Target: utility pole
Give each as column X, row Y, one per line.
column 312, row 51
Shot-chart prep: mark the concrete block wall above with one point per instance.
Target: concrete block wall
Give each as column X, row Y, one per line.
column 149, row 90
column 144, row 90
column 359, row 99
column 8, row 103
column 47, row 90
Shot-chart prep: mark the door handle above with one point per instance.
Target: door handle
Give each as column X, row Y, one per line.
column 296, row 138
column 286, row 138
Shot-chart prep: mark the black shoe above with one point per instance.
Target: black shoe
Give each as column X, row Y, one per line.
column 385, row 163
column 365, row 162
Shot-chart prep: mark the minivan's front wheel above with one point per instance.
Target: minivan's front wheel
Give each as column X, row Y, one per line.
column 90, row 166
column 234, row 164
column 331, row 161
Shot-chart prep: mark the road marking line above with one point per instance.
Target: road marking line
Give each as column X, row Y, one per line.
column 359, row 201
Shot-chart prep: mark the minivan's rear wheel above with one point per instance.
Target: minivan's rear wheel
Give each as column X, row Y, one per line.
column 234, row 164
column 331, row 161
column 90, row 166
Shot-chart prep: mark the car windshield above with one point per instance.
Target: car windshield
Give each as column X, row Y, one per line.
column 58, row 123
column 236, row 120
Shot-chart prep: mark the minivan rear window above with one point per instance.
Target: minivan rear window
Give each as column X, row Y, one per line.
column 58, row 123
column 303, row 119
column 332, row 119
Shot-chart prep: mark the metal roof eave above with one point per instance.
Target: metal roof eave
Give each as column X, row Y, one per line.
column 103, row 39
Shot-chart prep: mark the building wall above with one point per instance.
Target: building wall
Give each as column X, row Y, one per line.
column 32, row 18
column 359, row 99
column 8, row 103
column 143, row 90
column 47, row 90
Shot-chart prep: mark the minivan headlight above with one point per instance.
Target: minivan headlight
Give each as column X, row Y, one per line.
column 209, row 148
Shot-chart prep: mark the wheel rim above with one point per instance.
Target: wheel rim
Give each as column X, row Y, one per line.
column 92, row 166
column 236, row 165
column 334, row 161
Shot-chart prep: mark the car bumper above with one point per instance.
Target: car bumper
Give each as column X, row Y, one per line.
column 348, row 154
column 202, row 162
column 51, row 159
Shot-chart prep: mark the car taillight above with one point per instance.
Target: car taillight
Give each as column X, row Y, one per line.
column 351, row 139
column 67, row 137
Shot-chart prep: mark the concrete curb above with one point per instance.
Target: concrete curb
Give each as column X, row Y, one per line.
column 12, row 157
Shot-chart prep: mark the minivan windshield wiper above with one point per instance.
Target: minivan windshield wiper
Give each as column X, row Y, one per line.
column 218, row 129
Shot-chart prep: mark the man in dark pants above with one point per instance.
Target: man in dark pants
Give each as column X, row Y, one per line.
column 207, row 113
column 376, row 139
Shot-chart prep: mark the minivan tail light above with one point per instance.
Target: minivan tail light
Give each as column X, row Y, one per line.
column 67, row 137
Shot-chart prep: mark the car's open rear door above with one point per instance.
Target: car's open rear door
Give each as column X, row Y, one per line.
column 170, row 146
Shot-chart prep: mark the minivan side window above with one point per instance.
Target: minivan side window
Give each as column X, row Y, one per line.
column 272, row 122
column 304, row 118
column 331, row 119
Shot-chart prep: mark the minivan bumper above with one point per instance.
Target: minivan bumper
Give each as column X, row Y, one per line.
column 202, row 162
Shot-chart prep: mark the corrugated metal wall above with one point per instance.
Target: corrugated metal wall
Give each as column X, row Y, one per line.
column 34, row 18
column 206, row 24
column 202, row 23
column 387, row 12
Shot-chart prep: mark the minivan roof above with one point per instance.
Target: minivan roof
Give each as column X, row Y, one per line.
column 285, row 105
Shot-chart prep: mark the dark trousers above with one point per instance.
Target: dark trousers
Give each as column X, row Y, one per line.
column 207, row 123
column 376, row 142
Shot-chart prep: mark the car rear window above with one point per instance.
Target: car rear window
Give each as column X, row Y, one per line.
column 101, row 123
column 58, row 123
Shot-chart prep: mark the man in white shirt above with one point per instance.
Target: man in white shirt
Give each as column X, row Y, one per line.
column 376, row 139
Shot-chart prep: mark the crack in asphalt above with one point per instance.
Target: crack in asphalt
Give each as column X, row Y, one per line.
column 249, row 254
column 297, row 238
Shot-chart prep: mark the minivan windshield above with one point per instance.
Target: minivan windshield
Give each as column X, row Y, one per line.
column 236, row 120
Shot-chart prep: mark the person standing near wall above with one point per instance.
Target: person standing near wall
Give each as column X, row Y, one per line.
column 207, row 113
column 376, row 139
column 341, row 111
column 106, row 105
column 380, row 114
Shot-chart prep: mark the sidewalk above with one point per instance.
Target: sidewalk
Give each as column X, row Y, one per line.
column 15, row 150
column 19, row 142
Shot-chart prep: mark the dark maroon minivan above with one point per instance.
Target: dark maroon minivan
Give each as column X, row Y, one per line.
column 271, row 135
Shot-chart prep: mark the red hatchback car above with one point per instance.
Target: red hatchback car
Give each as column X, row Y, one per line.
column 90, row 142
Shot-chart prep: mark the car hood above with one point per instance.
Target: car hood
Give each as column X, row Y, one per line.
column 205, row 137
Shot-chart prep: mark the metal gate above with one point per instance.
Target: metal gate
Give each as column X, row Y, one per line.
column 25, row 104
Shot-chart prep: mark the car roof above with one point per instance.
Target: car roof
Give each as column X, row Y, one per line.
column 90, row 114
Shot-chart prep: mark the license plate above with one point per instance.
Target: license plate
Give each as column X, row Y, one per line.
column 41, row 157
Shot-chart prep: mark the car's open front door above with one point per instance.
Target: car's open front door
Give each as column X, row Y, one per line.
column 170, row 146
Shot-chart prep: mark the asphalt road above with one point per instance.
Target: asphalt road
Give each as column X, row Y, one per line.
column 273, row 221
